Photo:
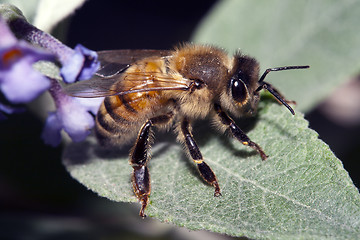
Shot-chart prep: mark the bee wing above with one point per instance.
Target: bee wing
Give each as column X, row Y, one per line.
column 112, row 65
column 129, row 56
column 115, row 61
column 125, row 83
column 97, row 86
column 148, row 81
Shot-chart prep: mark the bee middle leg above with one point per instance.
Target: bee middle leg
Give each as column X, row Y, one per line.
column 237, row 132
column 138, row 159
column 205, row 171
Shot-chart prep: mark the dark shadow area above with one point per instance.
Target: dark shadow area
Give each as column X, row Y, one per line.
column 343, row 141
column 78, row 153
column 337, row 121
column 109, row 153
column 135, row 25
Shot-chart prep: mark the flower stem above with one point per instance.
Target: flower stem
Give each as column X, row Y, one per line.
column 30, row 33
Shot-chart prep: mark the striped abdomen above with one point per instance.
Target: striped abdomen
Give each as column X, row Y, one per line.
column 121, row 116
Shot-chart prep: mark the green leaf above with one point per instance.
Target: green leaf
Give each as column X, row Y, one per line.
column 49, row 69
column 323, row 34
column 300, row 192
column 28, row 7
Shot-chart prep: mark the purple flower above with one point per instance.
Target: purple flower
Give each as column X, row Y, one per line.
column 72, row 115
column 78, row 64
column 19, row 82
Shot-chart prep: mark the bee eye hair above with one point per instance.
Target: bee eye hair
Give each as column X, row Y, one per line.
column 238, row 90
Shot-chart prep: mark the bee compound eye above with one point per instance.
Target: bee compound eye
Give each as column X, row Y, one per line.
column 238, row 90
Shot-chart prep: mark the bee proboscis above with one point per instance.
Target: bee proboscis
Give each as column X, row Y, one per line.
column 146, row 88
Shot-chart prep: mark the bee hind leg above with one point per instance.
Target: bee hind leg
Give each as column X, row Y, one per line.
column 138, row 159
column 205, row 171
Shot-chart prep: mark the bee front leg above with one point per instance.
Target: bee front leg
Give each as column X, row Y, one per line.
column 237, row 132
column 138, row 159
column 205, row 171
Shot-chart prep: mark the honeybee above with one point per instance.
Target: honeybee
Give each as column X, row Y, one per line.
column 153, row 88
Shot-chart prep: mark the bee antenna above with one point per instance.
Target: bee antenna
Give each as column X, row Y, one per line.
column 273, row 91
column 279, row 69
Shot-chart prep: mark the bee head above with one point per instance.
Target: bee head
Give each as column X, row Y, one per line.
column 242, row 91
column 240, row 96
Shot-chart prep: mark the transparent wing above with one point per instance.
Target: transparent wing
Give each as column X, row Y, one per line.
column 116, row 61
column 129, row 56
column 112, row 79
column 125, row 83
column 97, row 86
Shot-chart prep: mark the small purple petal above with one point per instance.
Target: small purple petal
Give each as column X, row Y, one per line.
column 19, row 82
column 91, row 104
column 72, row 116
column 71, row 70
column 22, row 83
column 82, row 65
column 76, row 120
column 33, row 54
column 91, row 64
column 51, row 133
